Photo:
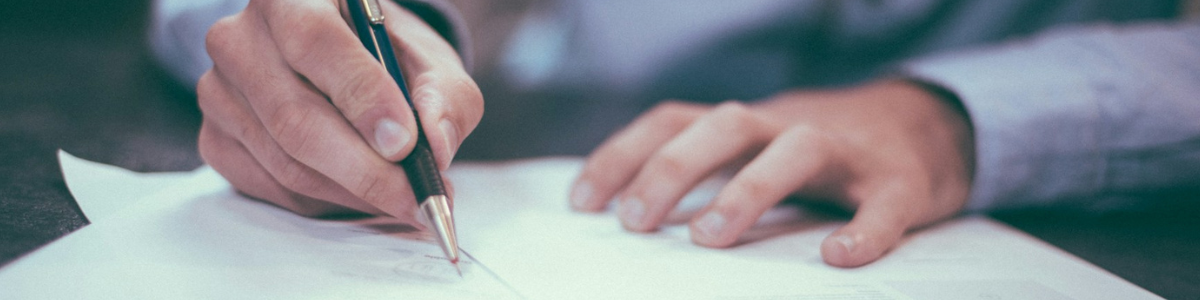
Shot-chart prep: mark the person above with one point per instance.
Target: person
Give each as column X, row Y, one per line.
column 905, row 113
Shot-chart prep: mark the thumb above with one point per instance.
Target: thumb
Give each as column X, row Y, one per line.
column 875, row 229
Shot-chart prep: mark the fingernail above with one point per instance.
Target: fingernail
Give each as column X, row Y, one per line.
column 846, row 241
column 390, row 137
column 711, row 225
column 631, row 211
column 450, row 132
column 580, row 194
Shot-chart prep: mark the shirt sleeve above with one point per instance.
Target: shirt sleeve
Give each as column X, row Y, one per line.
column 1102, row 117
column 178, row 29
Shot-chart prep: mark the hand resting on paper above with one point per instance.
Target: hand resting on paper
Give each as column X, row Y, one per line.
column 298, row 113
column 892, row 151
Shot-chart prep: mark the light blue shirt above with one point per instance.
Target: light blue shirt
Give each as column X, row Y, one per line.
column 1100, row 112
column 1097, row 116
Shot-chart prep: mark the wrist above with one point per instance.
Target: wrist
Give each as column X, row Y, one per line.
column 948, row 119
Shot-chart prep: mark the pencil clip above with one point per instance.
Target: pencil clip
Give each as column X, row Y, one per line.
column 374, row 13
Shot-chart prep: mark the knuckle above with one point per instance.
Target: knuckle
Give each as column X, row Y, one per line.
column 296, row 178
column 206, row 85
column 464, row 102
column 305, row 33
column 470, row 89
column 207, row 91
column 206, row 145
column 670, row 165
column 733, row 106
column 671, row 114
column 248, row 132
column 372, row 188
column 291, row 126
column 602, row 167
column 672, row 105
column 752, row 189
column 222, row 111
column 426, row 79
column 358, row 91
column 424, row 89
column 733, row 117
column 305, row 30
column 734, row 110
column 221, row 35
column 803, row 134
column 666, row 108
column 471, row 96
column 613, row 154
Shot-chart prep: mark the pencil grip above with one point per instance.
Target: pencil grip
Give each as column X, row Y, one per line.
column 422, row 172
column 420, row 166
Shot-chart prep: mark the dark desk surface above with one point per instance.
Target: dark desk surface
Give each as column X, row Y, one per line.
column 82, row 81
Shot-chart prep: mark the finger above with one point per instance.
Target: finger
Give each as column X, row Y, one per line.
column 227, row 111
column 450, row 109
column 314, row 40
column 726, row 133
column 234, row 162
column 308, row 128
column 877, row 226
column 614, row 163
column 449, row 102
column 418, row 46
column 788, row 163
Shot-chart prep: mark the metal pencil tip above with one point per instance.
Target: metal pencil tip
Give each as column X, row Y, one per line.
column 438, row 213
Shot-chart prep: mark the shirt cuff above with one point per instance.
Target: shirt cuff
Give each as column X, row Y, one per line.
column 1035, row 118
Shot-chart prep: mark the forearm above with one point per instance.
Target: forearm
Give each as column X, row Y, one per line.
column 1097, row 115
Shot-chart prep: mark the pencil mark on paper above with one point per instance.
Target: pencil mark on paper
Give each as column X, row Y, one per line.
column 435, row 268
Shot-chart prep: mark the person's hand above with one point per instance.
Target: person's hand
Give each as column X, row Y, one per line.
column 893, row 152
column 298, row 113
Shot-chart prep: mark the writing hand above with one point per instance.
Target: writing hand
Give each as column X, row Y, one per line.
column 298, row 113
column 893, row 152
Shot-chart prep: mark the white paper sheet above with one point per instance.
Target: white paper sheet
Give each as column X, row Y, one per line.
column 198, row 239
column 526, row 234
column 110, row 189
